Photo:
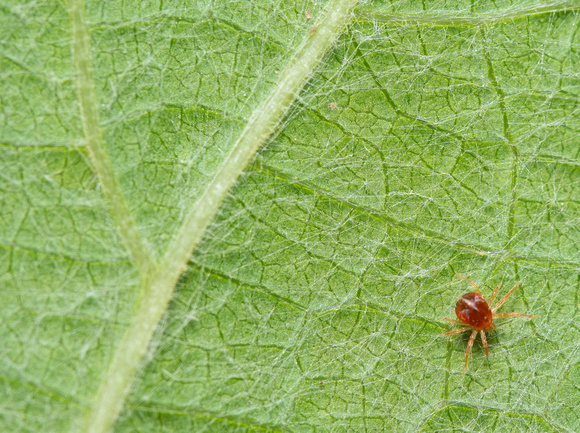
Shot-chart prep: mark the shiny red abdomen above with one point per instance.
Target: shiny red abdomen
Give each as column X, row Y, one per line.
column 473, row 310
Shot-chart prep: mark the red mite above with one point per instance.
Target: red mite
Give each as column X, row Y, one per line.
column 474, row 312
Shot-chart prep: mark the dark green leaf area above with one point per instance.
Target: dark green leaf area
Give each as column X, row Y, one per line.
column 61, row 319
column 38, row 102
column 52, row 204
column 313, row 364
column 485, row 419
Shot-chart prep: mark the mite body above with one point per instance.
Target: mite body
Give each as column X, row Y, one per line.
column 473, row 310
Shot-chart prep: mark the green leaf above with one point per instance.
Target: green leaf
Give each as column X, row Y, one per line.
column 140, row 290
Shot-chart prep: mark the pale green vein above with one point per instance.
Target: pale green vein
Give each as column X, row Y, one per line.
column 158, row 285
column 99, row 158
column 261, row 124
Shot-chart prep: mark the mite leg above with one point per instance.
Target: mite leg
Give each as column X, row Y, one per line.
column 496, row 316
column 472, row 283
column 500, row 303
column 493, row 294
column 457, row 322
column 455, row 331
column 483, row 339
column 469, row 346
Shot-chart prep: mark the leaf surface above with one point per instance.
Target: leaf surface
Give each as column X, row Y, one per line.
column 430, row 139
